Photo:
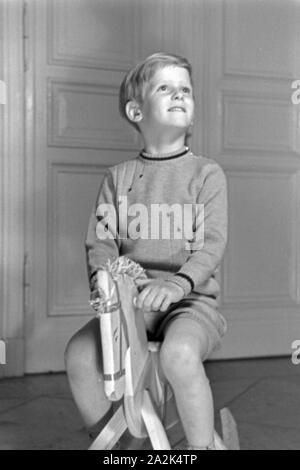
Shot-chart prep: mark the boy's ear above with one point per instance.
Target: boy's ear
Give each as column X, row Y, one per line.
column 133, row 111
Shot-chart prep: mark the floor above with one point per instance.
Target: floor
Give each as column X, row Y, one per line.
column 37, row 412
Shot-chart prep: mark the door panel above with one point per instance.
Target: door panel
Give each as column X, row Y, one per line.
column 80, row 51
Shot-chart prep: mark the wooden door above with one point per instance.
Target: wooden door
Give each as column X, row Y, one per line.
column 77, row 53
column 253, row 131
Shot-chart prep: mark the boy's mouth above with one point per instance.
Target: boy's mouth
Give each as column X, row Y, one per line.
column 177, row 109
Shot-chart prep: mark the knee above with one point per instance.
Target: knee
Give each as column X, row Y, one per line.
column 75, row 356
column 80, row 355
column 181, row 360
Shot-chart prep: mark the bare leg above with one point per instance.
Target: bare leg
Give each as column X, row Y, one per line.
column 83, row 358
column 181, row 354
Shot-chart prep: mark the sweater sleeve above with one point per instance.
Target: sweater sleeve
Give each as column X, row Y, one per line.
column 207, row 253
column 102, row 240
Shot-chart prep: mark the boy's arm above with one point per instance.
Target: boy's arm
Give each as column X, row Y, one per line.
column 102, row 241
column 202, row 262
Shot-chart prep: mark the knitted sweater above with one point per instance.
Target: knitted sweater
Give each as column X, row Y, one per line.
column 185, row 179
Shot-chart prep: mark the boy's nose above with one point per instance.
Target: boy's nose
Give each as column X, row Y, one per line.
column 177, row 94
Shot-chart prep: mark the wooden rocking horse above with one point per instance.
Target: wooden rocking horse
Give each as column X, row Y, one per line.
column 131, row 365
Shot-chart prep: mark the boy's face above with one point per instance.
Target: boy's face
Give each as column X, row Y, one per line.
column 168, row 101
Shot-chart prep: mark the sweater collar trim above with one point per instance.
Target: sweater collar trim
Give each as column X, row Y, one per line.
column 162, row 157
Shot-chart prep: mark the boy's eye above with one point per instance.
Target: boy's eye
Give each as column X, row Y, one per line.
column 163, row 88
column 186, row 89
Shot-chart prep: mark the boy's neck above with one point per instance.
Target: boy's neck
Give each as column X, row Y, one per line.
column 161, row 148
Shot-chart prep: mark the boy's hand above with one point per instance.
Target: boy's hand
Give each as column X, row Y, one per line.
column 157, row 294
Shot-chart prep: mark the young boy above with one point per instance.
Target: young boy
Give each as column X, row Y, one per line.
column 180, row 297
